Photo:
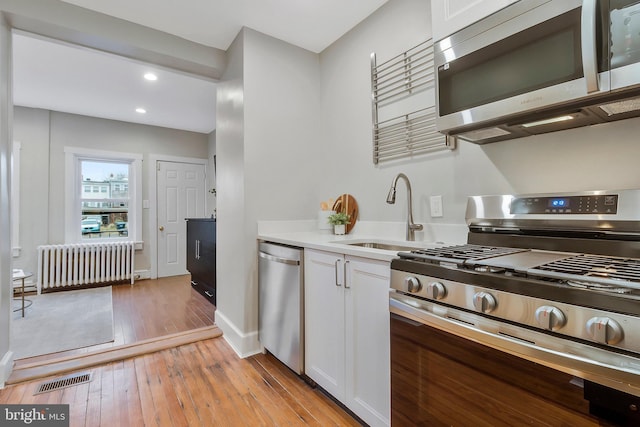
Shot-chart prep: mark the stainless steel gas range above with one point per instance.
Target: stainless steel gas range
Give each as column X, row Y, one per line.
column 542, row 303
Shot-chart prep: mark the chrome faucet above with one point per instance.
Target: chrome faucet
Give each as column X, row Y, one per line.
column 391, row 199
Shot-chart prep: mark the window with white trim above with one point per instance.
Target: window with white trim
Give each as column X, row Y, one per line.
column 103, row 200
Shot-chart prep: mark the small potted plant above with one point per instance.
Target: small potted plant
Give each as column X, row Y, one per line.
column 338, row 220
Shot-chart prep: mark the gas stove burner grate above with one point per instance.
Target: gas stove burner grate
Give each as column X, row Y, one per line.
column 593, row 269
column 459, row 253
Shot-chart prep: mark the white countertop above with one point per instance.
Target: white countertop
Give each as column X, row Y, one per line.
column 305, row 234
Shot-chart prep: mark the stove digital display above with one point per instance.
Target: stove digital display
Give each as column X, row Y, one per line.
column 559, row 203
column 592, row 204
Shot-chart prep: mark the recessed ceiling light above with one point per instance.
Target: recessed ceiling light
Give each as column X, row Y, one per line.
column 150, row 76
column 141, row 110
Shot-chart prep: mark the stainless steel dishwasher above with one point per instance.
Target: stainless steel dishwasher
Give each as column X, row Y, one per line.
column 281, row 303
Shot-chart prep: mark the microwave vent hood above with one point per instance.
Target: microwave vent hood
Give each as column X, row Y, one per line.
column 539, row 66
column 554, row 120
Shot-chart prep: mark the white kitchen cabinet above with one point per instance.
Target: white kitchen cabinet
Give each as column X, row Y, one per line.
column 347, row 331
column 449, row 16
column 324, row 325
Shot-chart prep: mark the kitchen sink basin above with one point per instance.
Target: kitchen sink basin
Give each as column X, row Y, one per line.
column 383, row 246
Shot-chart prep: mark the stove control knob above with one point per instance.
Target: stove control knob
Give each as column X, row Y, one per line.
column 436, row 290
column 550, row 318
column 484, row 302
column 604, row 330
column 413, row 284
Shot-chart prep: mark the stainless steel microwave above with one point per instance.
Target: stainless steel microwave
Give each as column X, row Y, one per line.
column 539, row 66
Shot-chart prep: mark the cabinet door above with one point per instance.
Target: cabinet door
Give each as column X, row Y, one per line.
column 195, row 231
column 207, row 254
column 367, row 340
column 201, row 256
column 324, row 320
column 449, row 16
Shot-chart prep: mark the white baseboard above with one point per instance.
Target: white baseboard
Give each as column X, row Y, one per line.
column 6, row 366
column 244, row 344
column 142, row 274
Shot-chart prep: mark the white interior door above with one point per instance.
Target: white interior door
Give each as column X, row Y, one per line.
column 180, row 195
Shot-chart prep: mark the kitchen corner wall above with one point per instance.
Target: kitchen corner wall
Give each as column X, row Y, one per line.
column 268, row 144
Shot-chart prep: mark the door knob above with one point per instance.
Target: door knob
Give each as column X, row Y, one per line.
column 161, row 228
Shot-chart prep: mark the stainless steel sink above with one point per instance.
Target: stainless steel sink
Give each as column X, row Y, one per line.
column 383, row 246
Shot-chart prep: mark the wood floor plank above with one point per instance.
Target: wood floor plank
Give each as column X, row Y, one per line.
column 219, row 410
column 167, row 394
column 127, row 382
column 181, row 389
column 226, row 379
column 78, row 404
column 109, row 410
column 283, row 394
column 144, row 387
column 250, row 382
column 323, row 409
column 15, row 394
column 202, row 399
column 94, row 399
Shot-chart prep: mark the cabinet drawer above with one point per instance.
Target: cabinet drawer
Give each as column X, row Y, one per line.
column 206, row 290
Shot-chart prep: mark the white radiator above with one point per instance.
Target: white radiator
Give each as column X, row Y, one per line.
column 61, row 266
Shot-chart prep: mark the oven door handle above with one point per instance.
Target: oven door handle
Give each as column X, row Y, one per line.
column 405, row 320
column 623, row 376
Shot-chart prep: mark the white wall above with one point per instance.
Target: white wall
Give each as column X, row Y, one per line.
column 268, row 144
column 44, row 134
column 231, row 276
column 285, row 154
column 32, row 125
column 596, row 157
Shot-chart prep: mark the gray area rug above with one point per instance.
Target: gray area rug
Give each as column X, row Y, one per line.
column 62, row 321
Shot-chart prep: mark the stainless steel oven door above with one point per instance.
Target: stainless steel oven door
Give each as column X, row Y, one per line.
column 450, row 367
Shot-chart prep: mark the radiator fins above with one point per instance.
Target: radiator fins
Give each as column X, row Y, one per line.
column 61, row 266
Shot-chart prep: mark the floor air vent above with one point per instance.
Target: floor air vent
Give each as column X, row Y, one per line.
column 68, row 381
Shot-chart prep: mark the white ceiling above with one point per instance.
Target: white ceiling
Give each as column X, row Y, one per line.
column 66, row 78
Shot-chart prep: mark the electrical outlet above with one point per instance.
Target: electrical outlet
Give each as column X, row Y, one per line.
column 436, row 206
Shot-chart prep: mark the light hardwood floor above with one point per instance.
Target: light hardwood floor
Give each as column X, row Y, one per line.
column 199, row 384
column 149, row 309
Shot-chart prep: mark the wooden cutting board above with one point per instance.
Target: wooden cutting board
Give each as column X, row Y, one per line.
column 347, row 204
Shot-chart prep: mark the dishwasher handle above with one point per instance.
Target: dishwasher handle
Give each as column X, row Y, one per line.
column 278, row 259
